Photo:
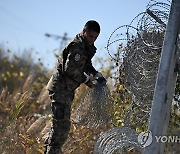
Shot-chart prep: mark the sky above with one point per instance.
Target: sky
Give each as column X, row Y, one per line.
column 23, row 23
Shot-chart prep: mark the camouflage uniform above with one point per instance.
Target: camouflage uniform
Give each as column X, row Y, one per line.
column 67, row 76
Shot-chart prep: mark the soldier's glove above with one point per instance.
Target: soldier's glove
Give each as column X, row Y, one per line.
column 90, row 84
column 99, row 77
column 89, row 80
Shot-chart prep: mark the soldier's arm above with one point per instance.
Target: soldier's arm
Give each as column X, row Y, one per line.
column 72, row 65
column 90, row 68
column 97, row 75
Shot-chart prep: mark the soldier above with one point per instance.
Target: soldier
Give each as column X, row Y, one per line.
column 74, row 67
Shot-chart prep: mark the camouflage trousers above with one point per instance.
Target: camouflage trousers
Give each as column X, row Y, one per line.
column 61, row 110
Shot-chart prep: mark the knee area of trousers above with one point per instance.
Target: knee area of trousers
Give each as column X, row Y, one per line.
column 61, row 126
column 58, row 110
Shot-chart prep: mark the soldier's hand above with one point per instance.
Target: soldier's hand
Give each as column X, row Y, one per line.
column 90, row 84
column 89, row 80
column 101, row 79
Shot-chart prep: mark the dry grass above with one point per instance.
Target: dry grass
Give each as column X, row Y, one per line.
column 25, row 123
column 25, row 114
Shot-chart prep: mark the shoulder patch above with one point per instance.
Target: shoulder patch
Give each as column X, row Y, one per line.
column 77, row 57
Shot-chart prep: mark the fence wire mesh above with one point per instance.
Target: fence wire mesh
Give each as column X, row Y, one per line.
column 136, row 50
column 137, row 58
column 95, row 107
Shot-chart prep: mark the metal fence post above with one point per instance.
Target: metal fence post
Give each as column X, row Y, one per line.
column 165, row 83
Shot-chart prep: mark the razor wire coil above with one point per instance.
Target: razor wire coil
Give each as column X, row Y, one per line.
column 142, row 41
column 137, row 56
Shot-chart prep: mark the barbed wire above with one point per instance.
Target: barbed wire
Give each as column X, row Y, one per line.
column 117, row 139
column 142, row 22
column 137, row 57
column 140, row 48
column 141, row 42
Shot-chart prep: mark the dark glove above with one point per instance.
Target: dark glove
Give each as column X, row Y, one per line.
column 101, row 79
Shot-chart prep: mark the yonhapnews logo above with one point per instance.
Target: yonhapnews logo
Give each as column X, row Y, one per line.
column 146, row 138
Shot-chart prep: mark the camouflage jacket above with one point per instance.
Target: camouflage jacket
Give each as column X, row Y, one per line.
column 72, row 63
